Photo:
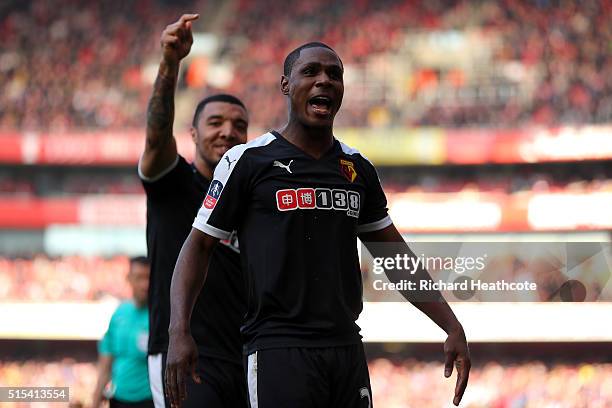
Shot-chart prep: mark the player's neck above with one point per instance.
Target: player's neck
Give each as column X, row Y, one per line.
column 315, row 141
column 139, row 304
column 203, row 167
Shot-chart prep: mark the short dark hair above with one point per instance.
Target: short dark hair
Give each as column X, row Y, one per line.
column 295, row 54
column 143, row 260
column 214, row 98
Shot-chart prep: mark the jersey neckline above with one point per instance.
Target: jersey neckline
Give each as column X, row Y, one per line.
column 331, row 151
column 203, row 181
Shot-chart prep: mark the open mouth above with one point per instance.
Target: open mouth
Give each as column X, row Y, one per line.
column 321, row 105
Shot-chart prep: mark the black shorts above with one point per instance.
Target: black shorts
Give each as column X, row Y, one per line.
column 223, row 384
column 115, row 403
column 329, row 377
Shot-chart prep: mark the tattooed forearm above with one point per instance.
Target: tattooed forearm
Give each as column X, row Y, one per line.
column 160, row 111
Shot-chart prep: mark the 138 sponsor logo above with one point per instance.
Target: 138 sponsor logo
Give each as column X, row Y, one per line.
column 319, row 198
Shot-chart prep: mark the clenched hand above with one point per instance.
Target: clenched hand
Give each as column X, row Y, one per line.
column 177, row 38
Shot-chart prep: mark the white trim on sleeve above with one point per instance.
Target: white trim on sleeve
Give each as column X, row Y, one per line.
column 210, row 230
column 160, row 175
column 375, row 226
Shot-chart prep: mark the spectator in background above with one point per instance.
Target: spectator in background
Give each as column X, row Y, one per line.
column 123, row 349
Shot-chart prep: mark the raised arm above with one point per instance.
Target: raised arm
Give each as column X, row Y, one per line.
column 189, row 276
column 160, row 147
column 431, row 303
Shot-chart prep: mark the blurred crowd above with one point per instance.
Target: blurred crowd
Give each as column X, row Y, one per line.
column 561, row 46
column 70, row 278
column 530, row 385
column 66, row 183
column 78, row 64
column 403, row 384
column 79, row 376
column 571, row 179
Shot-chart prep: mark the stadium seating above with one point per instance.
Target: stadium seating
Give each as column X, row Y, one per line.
column 71, row 278
column 548, row 62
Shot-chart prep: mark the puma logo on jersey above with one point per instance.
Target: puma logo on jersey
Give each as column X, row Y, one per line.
column 284, row 166
column 229, row 162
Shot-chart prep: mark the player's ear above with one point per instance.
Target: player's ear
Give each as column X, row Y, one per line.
column 284, row 85
column 194, row 134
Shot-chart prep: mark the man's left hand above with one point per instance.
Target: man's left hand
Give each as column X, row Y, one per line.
column 456, row 352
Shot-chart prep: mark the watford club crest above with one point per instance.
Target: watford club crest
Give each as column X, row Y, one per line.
column 348, row 169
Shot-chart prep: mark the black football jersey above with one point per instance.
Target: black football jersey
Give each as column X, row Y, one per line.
column 173, row 199
column 297, row 219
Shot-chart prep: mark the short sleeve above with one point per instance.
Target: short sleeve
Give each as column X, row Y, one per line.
column 105, row 345
column 374, row 215
column 227, row 196
column 176, row 177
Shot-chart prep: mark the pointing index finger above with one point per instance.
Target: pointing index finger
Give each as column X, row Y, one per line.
column 449, row 358
column 188, row 17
